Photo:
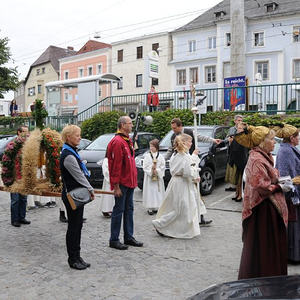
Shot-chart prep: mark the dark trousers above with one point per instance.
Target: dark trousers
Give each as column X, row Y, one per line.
column 123, row 208
column 73, row 236
column 17, row 207
column 152, row 108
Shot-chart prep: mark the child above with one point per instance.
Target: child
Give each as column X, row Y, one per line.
column 154, row 171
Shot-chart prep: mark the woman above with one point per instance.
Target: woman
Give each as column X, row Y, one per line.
column 154, row 170
column 265, row 212
column 178, row 215
column 73, row 173
column 13, row 108
column 288, row 163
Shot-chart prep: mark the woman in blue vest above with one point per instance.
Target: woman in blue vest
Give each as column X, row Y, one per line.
column 74, row 174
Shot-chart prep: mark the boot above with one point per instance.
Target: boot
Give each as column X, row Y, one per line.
column 204, row 222
column 62, row 217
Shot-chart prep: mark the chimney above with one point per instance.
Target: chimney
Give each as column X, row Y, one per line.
column 70, row 48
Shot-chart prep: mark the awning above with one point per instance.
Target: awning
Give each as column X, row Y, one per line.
column 101, row 78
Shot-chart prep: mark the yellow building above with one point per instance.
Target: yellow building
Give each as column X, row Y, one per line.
column 43, row 70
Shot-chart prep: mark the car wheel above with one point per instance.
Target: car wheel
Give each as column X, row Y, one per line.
column 207, row 181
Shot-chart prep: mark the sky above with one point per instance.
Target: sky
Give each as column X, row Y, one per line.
column 33, row 25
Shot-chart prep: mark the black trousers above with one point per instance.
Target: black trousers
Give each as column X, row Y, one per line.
column 73, row 236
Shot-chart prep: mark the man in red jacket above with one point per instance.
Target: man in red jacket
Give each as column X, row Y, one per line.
column 123, row 180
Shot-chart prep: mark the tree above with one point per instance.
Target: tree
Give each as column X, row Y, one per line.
column 39, row 113
column 8, row 76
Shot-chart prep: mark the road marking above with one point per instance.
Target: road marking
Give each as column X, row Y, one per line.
column 216, row 202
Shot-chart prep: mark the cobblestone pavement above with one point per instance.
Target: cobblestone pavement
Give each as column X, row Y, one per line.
column 33, row 261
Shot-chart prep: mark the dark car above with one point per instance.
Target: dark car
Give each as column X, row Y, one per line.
column 4, row 140
column 94, row 153
column 213, row 158
column 278, row 287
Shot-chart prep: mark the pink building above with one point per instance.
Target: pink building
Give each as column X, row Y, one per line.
column 92, row 59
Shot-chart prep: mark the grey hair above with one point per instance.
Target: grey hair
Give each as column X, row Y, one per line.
column 238, row 116
column 122, row 120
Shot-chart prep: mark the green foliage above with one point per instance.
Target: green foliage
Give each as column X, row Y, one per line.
column 8, row 76
column 100, row 123
column 39, row 113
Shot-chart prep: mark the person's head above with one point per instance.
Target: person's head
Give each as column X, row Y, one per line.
column 154, row 145
column 240, row 127
column 238, row 119
column 268, row 143
column 125, row 124
column 22, row 131
column 176, row 125
column 183, row 143
column 71, row 135
column 293, row 139
column 13, row 101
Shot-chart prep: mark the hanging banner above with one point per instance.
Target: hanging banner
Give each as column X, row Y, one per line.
column 234, row 96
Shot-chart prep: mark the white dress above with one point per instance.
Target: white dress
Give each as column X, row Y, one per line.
column 107, row 202
column 178, row 215
column 153, row 191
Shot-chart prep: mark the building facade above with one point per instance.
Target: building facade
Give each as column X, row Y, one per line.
column 19, row 96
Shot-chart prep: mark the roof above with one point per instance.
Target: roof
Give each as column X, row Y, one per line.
column 51, row 55
column 92, row 46
column 253, row 10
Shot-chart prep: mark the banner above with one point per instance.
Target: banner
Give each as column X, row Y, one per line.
column 234, row 97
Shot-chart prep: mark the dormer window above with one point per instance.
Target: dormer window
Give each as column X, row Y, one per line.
column 220, row 14
column 270, row 7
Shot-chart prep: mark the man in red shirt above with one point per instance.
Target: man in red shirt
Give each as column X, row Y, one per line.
column 123, row 180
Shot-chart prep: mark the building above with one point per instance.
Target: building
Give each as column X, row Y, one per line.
column 93, row 58
column 201, row 48
column 129, row 62
column 19, row 96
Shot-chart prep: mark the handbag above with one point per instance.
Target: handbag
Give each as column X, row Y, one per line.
column 79, row 197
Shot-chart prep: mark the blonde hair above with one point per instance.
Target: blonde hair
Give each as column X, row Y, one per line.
column 69, row 130
column 179, row 142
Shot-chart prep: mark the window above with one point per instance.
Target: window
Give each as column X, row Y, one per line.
column 192, row 46
column 259, row 39
column 31, row 91
column 212, row 42
column 296, row 69
column 139, row 52
column 80, row 72
column 39, row 89
column 262, row 67
column 210, row 74
column 66, row 74
column 155, row 46
column 194, row 75
column 37, row 71
column 99, row 70
column 139, row 80
column 43, row 70
column 154, row 81
column 120, row 84
column 90, row 71
column 270, row 7
column 181, row 77
column 296, row 34
column 99, row 92
column 67, row 97
column 120, row 55
column 228, row 39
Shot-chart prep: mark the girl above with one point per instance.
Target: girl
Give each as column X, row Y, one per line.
column 154, row 171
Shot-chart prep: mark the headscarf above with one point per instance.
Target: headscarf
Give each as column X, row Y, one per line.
column 285, row 130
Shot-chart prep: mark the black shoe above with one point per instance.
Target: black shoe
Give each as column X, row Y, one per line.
column 133, row 242
column 161, row 234
column 24, row 221
column 16, row 224
column 77, row 265
column 84, row 263
column 230, row 189
column 106, row 214
column 239, row 200
column 62, row 217
column 150, row 212
column 117, row 245
column 205, row 223
column 83, row 220
column 234, row 198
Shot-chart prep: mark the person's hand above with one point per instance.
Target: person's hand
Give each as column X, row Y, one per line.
column 117, row 191
column 217, row 141
column 92, row 195
column 154, row 172
column 198, row 179
column 230, row 139
column 196, row 151
column 286, row 187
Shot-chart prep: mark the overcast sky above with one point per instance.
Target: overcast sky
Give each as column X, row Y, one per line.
column 33, row 25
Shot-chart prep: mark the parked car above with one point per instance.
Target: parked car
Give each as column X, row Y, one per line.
column 213, row 158
column 94, row 153
column 4, row 140
column 83, row 143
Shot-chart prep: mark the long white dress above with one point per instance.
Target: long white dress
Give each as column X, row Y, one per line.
column 178, row 215
column 153, row 191
column 107, row 202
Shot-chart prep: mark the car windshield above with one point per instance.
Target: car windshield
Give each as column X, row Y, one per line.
column 100, row 143
column 5, row 140
column 166, row 141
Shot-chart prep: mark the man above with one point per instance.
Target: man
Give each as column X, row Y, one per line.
column 229, row 138
column 18, row 201
column 123, row 180
column 177, row 127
